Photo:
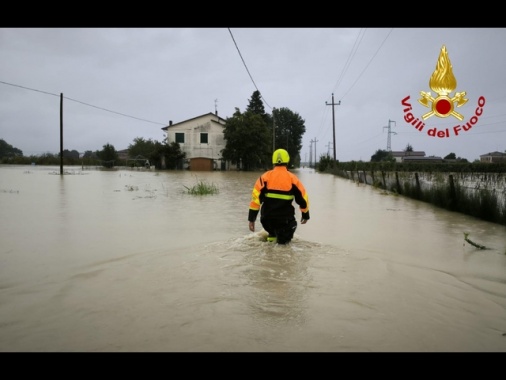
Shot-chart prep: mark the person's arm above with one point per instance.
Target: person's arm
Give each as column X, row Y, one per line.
column 254, row 206
column 302, row 199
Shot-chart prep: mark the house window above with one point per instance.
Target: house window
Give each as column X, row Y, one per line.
column 180, row 137
column 203, row 138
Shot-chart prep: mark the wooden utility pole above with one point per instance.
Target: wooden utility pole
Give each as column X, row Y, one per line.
column 273, row 131
column 311, row 153
column 61, row 134
column 334, row 121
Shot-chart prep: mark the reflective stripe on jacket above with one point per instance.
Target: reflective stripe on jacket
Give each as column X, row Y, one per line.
column 275, row 190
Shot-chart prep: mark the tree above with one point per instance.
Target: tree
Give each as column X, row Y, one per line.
column 382, row 155
column 256, row 105
column 450, row 156
column 173, row 155
column 7, row 150
column 252, row 136
column 107, row 155
column 74, row 154
column 247, row 140
column 409, row 148
column 289, row 129
column 146, row 150
column 142, row 147
column 155, row 152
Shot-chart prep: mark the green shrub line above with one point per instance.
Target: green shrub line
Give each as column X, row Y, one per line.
column 445, row 191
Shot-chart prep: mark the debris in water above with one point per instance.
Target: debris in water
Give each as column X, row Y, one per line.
column 466, row 234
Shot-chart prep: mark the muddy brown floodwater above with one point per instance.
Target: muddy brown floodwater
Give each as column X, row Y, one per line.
column 128, row 261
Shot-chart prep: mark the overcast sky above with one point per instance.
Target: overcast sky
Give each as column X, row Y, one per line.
column 119, row 84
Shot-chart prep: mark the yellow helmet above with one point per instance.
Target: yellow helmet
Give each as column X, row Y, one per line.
column 280, row 156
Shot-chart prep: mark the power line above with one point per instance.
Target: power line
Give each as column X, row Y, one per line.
column 86, row 104
column 244, row 63
column 352, row 54
column 365, row 68
column 350, row 57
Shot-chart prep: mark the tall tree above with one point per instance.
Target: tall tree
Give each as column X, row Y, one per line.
column 247, row 141
column 252, row 136
column 256, row 106
column 289, row 129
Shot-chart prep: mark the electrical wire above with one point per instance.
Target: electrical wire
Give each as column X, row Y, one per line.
column 86, row 104
column 247, row 70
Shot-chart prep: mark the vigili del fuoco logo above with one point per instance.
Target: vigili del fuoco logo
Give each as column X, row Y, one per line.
column 443, row 105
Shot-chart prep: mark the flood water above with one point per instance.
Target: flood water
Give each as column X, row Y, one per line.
column 128, row 261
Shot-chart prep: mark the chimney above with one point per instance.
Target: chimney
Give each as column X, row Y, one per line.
column 170, row 123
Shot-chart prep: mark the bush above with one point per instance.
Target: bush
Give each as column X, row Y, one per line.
column 202, row 188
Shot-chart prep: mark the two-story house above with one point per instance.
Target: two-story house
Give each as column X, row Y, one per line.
column 202, row 139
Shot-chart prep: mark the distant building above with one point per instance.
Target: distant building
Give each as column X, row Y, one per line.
column 493, row 157
column 401, row 155
column 422, row 159
column 122, row 154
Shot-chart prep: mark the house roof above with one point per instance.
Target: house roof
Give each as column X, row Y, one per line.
column 418, row 158
column 194, row 118
column 496, row 153
column 405, row 154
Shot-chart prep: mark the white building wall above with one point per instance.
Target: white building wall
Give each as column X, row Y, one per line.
column 192, row 130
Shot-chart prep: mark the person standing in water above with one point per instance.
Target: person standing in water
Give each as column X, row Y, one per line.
column 273, row 195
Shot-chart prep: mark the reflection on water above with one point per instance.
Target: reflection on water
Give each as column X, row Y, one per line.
column 129, row 261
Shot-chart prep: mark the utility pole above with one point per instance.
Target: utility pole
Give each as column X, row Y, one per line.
column 389, row 143
column 310, row 153
column 61, row 133
column 334, row 121
column 314, row 141
column 273, row 131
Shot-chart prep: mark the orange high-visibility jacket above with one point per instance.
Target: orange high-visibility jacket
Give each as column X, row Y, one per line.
column 275, row 191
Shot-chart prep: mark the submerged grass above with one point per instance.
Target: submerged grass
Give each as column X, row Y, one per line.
column 202, row 188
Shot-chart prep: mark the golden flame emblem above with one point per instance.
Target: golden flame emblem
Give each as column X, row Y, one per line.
column 443, row 82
